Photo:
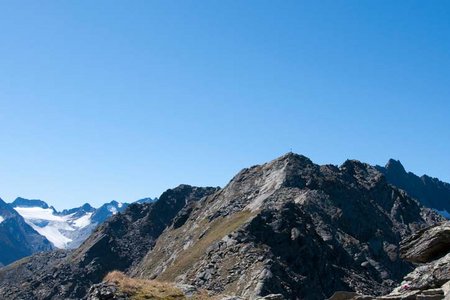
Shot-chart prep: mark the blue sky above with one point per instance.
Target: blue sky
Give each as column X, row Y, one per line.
column 103, row 100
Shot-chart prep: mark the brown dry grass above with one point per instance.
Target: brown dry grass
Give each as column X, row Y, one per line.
column 142, row 289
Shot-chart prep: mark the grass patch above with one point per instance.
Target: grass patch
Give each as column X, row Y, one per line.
column 141, row 289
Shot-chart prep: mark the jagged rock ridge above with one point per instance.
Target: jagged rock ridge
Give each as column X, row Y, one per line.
column 431, row 192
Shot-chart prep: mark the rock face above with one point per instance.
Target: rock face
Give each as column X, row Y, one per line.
column 427, row 245
column 288, row 227
column 115, row 245
column 431, row 247
column 17, row 238
column 431, row 192
column 430, row 280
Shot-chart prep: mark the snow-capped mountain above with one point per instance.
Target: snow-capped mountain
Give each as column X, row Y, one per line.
column 68, row 228
column 17, row 238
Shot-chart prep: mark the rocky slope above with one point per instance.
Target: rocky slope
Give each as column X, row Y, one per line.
column 17, row 238
column 287, row 227
column 431, row 192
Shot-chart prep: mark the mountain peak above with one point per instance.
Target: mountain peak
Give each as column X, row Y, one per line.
column 87, row 207
column 395, row 166
column 22, row 202
column 294, row 157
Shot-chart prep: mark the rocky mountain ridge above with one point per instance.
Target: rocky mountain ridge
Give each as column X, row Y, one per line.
column 431, row 192
column 287, row 227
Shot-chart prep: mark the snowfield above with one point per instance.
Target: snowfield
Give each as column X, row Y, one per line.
column 38, row 213
column 69, row 228
column 58, row 229
column 82, row 222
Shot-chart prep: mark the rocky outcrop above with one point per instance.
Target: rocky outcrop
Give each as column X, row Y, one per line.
column 106, row 291
column 431, row 247
column 430, row 280
column 427, row 245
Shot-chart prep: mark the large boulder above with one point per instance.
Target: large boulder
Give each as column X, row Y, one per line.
column 427, row 245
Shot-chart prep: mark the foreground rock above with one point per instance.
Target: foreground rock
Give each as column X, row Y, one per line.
column 427, row 245
column 430, row 280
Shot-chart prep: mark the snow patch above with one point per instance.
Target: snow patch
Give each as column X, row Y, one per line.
column 53, row 235
column 2, row 219
column 112, row 209
column 38, row 213
column 83, row 221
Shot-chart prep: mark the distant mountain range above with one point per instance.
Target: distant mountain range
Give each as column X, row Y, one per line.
column 28, row 226
column 431, row 192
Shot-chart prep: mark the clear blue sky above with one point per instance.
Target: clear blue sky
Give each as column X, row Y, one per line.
column 103, row 100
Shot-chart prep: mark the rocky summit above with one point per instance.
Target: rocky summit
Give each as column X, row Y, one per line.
column 287, row 229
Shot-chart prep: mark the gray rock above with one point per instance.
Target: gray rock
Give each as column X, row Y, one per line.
column 105, row 291
column 427, row 245
column 187, row 289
